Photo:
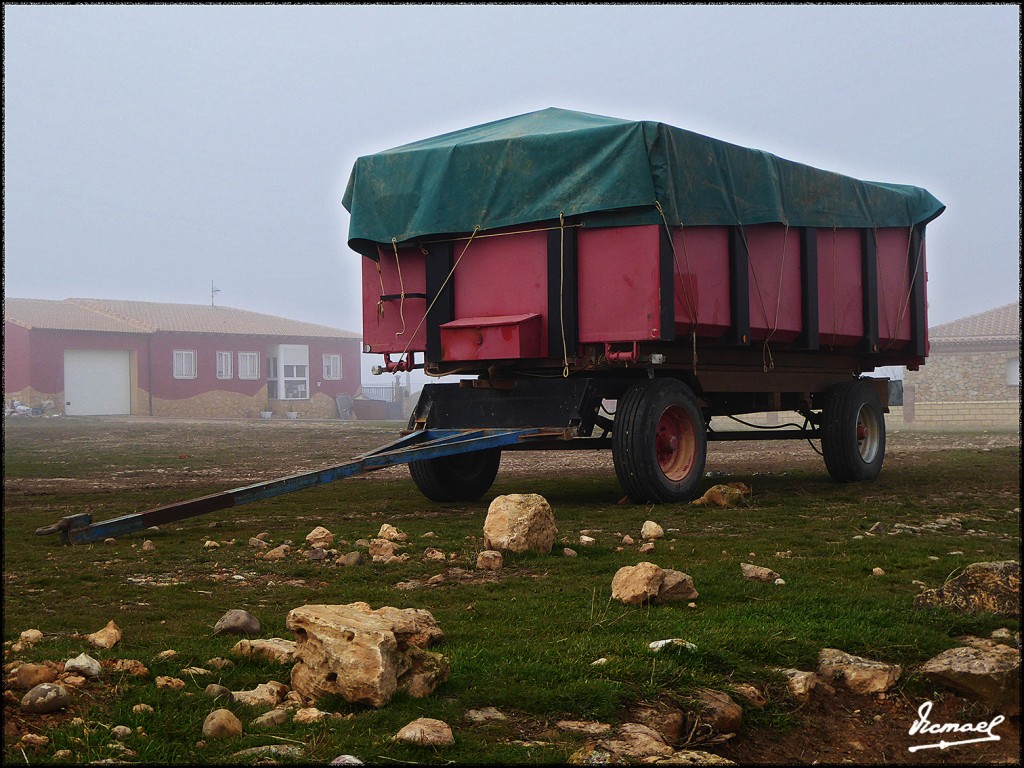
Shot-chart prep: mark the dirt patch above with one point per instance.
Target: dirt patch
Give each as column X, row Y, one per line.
column 845, row 728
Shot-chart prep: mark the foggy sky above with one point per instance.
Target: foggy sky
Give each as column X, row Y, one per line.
column 151, row 150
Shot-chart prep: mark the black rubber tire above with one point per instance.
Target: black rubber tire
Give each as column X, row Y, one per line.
column 639, row 452
column 463, row 477
column 853, row 432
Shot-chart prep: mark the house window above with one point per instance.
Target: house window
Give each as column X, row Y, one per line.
column 272, row 377
column 1013, row 372
column 332, row 367
column 223, row 365
column 296, row 382
column 288, row 374
column 184, row 363
column 248, row 365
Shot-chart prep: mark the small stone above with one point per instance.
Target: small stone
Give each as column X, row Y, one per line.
column 646, row 548
column 277, row 553
column 433, row 553
column 107, row 637
column 84, row 665
column 142, row 709
column 237, row 621
column 569, row 552
column 30, row 675
column 587, row 541
column 164, row 681
column 599, row 662
column 435, row 579
column 877, row 572
column 757, row 573
column 166, row 655
column 587, row 727
column 110, row 540
column 30, row 637
column 309, row 715
column 271, row 719
column 148, row 546
column 489, row 560
column 211, row 544
column 751, row 694
column 720, row 711
column 316, row 554
column 121, row 732
column 258, row 543
column 34, row 740
column 45, row 697
column 352, row 558
column 215, row 691
column 627, row 540
column 675, row 642
column 63, row 754
column 391, row 533
column 878, row 527
column 651, row 530
column 265, row 755
column 346, row 760
column 426, row 732
column 484, row 715
column 221, row 724
column 218, row 662
column 72, row 681
column 779, row 582
column 320, row 538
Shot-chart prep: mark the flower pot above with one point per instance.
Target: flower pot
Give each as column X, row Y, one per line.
column 266, row 414
column 292, row 415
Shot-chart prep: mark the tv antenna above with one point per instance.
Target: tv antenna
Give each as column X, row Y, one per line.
column 213, row 292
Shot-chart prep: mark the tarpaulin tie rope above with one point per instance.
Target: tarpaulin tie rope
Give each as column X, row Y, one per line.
column 440, row 290
column 913, row 279
column 691, row 307
column 401, row 287
column 766, row 349
column 760, row 298
column 561, row 291
column 380, row 303
column 881, row 283
column 835, row 305
column 581, row 225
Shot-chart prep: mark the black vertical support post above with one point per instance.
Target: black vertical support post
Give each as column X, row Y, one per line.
column 666, row 263
column 440, row 259
column 917, row 302
column 562, row 292
column 869, row 288
column 808, row 338
column 739, row 289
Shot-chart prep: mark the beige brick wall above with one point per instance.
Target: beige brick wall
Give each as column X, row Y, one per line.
column 233, row 405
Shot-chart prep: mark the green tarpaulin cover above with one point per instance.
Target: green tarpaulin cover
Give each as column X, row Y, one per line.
column 533, row 167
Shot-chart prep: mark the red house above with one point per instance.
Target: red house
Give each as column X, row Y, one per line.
column 96, row 357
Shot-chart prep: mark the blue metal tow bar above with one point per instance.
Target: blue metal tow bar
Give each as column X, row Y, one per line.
column 419, row 445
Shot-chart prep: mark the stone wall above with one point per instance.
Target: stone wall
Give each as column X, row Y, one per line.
column 234, row 405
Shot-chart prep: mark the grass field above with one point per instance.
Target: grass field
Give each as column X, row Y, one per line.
column 523, row 641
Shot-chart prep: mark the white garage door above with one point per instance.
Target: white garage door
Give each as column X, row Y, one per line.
column 97, row 382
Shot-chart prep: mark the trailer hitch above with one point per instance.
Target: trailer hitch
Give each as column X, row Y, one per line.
column 419, row 445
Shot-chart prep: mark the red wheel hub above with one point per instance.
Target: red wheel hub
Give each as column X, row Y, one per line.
column 675, row 443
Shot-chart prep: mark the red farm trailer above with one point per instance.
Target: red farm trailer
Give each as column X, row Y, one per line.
column 556, row 261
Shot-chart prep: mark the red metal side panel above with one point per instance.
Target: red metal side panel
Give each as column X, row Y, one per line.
column 840, row 281
column 701, row 274
column 894, row 272
column 774, row 272
column 619, row 284
column 383, row 321
column 503, row 276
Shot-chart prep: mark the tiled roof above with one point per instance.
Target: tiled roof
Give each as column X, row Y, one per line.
column 151, row 317
column 1000, row 324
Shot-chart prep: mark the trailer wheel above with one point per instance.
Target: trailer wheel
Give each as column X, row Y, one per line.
column 463, row 477
column 853, row 432
column 659, row 442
